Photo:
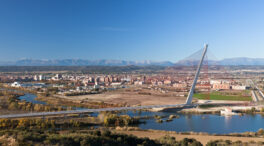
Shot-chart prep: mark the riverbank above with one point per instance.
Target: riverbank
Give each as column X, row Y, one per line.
column 217, row 108
column 202, row 137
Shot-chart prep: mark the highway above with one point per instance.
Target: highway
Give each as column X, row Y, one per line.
column 257, row 94
column 254, row 95
column 40, row 114
column 260, row 93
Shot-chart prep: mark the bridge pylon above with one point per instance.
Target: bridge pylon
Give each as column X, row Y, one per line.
column 190, row 95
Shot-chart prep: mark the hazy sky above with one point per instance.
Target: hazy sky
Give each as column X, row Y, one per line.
column 156, row 30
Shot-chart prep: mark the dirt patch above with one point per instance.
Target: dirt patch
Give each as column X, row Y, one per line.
column 129, row 98
column 7, row 141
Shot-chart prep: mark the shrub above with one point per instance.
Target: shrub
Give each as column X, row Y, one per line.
column 123, row 120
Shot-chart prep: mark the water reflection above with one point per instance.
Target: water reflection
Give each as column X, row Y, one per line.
column 190, row 122
column 227, row 120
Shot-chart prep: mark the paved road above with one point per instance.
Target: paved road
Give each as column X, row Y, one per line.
column 93, row 110
column 254, row 95
column 257, row 94
column 260, row 93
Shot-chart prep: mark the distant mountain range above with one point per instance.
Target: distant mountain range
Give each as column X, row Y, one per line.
column 227, row 61
column 82, row 62
column 242, row 61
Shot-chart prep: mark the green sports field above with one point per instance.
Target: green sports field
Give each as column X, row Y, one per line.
column 214, row 96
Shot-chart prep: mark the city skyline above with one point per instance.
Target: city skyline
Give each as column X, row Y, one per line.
column 134, row 30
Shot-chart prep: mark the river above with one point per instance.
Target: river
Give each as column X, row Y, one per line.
column 31, row 98
column 210, row 123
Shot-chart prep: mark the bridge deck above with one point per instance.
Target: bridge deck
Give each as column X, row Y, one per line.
column 91, row 111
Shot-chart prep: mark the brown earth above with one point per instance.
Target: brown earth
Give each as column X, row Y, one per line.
column 7, row 141
column 130, row 97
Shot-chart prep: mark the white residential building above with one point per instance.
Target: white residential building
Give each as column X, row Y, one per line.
column 15, row 84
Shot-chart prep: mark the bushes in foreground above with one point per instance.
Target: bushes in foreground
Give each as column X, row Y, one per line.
column 103, row 138
column 92, row 138
column 235, row 143
column 171, row 141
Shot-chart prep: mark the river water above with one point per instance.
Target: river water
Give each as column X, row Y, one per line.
column 31, row 98
column 209, row 123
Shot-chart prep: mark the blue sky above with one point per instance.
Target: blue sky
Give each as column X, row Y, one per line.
column 159, row 30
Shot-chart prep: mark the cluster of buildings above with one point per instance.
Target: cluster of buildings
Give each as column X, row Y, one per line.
column 22, row 78
column 226, row 85
column 28, row 85
column 86, row 82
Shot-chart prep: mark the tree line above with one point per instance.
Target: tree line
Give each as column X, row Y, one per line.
column 37, row 124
